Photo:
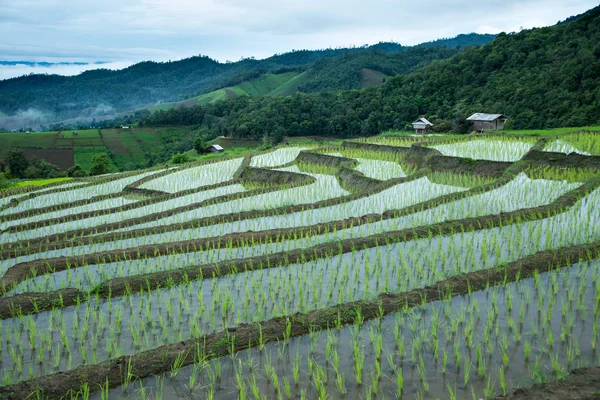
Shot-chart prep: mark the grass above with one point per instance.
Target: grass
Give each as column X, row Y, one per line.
column 276, row 84
column 549, row 132
column 41, row 182
column 125, row 149
column 584, row 142
column 35, row 182
column 266, row 83
column 399, row 133
column 212, row 97
column 531, row 132
column 291, row 86
column 84, row 157
column 234, row 151
column 311, row 141
column 83, row 134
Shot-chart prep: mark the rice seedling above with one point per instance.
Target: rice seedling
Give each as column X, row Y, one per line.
column 183, row 267
column 276, row 158
column 362, row 375
column 488, row 148
column 203, row 175
column 586, row 143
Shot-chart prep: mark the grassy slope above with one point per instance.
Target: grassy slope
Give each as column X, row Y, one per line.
column 370, row 77
column 291, row 86
column 264, row 85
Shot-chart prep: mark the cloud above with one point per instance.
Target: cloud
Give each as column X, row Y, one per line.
column 136, row 30
column 25, row 119
column 10, row 71
column 85, row 53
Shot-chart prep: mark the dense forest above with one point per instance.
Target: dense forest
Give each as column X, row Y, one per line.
column 150, row 82
column 544, row 77
column 344, row 72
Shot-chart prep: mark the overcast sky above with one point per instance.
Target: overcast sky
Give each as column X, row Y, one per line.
column 122, row 32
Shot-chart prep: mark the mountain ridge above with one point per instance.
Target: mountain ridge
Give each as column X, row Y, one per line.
column 149, row 82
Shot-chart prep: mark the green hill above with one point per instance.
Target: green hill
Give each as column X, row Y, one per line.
column 93, row 93
column 354, row 70
column 540, row 78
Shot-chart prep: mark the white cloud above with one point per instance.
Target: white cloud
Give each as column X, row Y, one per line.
column 10, row 71
column 136, row 30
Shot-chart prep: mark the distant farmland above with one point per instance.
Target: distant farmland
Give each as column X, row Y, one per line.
column 128, row 149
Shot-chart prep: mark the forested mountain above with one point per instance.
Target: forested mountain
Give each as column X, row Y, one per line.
column 344, row 72
column 150, row 82
column 544, row 77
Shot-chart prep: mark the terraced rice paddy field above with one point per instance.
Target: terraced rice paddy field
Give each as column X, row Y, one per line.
column 382, row 268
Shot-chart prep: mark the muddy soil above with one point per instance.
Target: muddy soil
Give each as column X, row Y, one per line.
column 581, row 384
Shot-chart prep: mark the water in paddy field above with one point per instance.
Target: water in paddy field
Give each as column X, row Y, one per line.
column 127, row 325
column 482, row 344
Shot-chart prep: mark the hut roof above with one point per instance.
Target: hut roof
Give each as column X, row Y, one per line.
column 423, row 120
column 217, row 147
column 486, row 117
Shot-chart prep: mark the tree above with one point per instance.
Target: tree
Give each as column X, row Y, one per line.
column 101, row 164
column 39, row 168
column 201, row 146
column 17, row 163
column 76, row 171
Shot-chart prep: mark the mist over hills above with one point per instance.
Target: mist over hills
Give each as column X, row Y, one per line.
column 146, row 83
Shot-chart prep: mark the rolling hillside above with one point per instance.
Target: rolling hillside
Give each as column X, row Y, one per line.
column 103, row 92
column 540, row 78
column 291, row 86
column 350, row 71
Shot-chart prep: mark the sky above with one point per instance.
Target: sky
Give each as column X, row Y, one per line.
column 123, row 32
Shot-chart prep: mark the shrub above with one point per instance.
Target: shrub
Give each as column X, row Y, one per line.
column 4, row 182
column 201, row 146
column 180, row 158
